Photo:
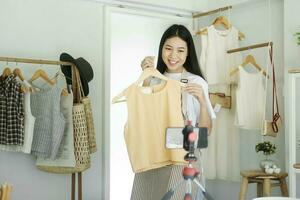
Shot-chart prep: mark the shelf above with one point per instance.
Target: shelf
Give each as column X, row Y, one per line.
column 297, row 166
column 294, row 70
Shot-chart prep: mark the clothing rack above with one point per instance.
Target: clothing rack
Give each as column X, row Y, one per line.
column 51, row 62
column 251, row 47
column 34, row 61
column 212, row 12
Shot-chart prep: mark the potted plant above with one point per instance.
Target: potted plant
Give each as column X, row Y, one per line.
column 268, row 149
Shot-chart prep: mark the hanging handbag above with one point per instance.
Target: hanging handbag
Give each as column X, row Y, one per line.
column 220, row 98
column 86, row 101
column 89, row 122
column 271, row 127
column 81, row 142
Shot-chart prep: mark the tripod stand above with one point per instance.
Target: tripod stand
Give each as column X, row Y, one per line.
column 189, row 173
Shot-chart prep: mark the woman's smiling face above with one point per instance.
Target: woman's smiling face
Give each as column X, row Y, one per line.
column 174, row 54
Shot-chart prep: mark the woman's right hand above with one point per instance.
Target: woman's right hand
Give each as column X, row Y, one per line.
column 147, row 62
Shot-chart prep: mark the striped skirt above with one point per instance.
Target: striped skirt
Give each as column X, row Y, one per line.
column 153, row 184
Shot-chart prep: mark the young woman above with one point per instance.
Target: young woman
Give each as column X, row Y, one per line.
column 177, row 60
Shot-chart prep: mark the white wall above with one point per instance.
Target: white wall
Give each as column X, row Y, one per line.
column 35, row 29
column 43, row 30
column 291, row 25
column 291, row 49
column 251, row 17
column 127, row 51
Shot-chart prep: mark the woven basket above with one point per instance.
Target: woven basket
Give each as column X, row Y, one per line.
column 90, row 124
column 81, row 142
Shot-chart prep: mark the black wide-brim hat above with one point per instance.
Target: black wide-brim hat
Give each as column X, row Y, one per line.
column 84, row 68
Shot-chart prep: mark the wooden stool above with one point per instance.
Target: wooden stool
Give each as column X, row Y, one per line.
column 264, row 183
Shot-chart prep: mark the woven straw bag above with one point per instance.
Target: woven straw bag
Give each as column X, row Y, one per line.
column 90, row 124
column 86, row 101
column 81, row 142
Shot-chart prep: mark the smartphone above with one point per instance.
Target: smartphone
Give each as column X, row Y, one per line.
column 174, row 138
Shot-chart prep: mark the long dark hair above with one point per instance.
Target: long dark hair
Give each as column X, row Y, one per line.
column 191, row 64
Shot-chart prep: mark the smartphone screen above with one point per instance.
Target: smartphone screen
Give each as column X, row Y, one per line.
column 174, row 138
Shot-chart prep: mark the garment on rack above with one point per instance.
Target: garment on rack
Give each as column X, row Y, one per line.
column 29, row 121
column 214, row 60
column 65, row 156
column 11, row 112
column 50, row 122
column 250, row 96
column 221, row 158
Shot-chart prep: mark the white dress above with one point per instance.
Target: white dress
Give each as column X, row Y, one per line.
column 215, row 62
column 221, row 158
column 250, row 95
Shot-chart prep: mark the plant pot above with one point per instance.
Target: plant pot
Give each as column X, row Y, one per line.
column 266, row 162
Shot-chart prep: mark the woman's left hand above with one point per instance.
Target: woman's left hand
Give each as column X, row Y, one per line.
column 196, row 90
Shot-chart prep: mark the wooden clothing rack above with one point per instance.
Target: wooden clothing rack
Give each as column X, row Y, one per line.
column 34, row 61
column 260, row 45
column 197, row 15
column 51, row 62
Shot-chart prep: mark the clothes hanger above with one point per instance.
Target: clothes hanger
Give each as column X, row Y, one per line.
column 221, row 20
column 41, row 74
column 249, row 60
column 64, row 91
column 18, row 73
column 6, row 72
column 148, row 72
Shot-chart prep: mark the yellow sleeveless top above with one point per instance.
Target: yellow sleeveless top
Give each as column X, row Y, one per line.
column 149, row 115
